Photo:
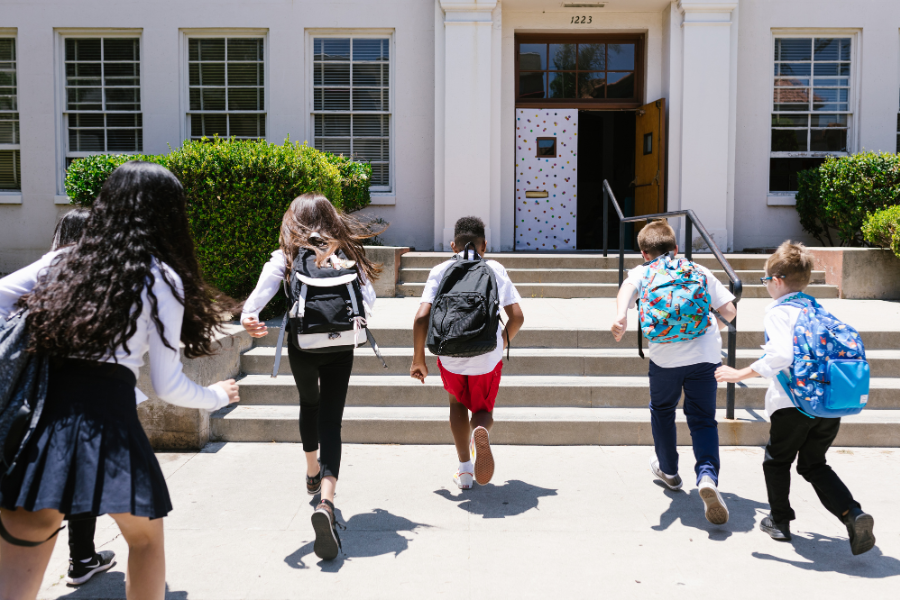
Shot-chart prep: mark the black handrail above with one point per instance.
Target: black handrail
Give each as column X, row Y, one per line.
column 690, row 222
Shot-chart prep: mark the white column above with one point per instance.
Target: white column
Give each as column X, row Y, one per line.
column 707, row 109
column 467, row 102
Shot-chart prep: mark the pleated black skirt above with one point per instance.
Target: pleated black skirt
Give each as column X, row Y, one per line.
column 89, row 453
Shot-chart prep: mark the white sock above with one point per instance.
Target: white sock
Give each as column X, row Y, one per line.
column 466, row 467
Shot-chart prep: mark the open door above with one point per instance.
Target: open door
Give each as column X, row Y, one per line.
column 650, row 160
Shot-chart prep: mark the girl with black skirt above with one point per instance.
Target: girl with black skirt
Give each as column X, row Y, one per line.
column 311, row 222
column 129, row 286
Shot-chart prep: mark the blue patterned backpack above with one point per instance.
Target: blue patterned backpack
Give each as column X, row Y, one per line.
column 830, row 375
column 674, row 304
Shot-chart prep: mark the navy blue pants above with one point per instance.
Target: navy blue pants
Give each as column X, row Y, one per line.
column 699, row 386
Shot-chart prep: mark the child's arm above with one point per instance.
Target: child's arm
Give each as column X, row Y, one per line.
column 731, row 375
column 779, row 351
column 514, row 321
column 623, row 301
column 418, row 369
column 728, row 312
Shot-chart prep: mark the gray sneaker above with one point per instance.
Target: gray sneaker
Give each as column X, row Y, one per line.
column 673, row 483
column 716, row 511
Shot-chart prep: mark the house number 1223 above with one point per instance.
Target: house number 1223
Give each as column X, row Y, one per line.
column 582, row 20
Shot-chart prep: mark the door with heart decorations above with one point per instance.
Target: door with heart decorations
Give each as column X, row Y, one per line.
column 546, row 178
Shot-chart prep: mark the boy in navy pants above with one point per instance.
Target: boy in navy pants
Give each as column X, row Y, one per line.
column 688, row 367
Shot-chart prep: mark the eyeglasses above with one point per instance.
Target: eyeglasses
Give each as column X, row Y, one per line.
column 765, row 280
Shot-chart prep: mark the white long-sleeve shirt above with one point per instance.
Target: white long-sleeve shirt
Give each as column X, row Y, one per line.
column 779, row 324
column 166, row 375
column 270, row 281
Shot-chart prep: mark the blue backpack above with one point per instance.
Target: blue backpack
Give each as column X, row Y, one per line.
column 675, row 302
column 829, row 376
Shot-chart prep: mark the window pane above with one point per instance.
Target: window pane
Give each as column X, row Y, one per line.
column 592, row 85
column 245, row 99
column 124, row 140
column 368, row 75
column 832, row 49
column 245, row 74
column 793, row 69
column 364, row 99
column 333, row 125
column 250, row 126
column 828, row 140
column 84, row 99
column 121, row 49
column 562, row 57
column 620, row 85
column 245, row 49
column 793, row 49
column 792, row 107
column 332, row 49
column 532, row 57
column 123, row 98
column 7, row 50
column 333, row 74
column 783, row 172
column 591, row 57
column 212, row 99
column 86, row 140
column 790, row 120
column 369, row 149
column 532, row 85
column 334, row 100
column 380, row 175
column 370, row 125
column 370, row 50
column 209, row 125
column 789, row 140
column 212, row 73
column 9, row 128
column 83, row 73
column 335, row 146
column 10, row 170
column 211, row 49
column 829, row 120
column 86, row 49
column 620, row 57
column 120, row 74
column 562, row 85
column 792, row 95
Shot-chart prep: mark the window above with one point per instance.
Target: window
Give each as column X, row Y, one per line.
column 10, row 161
column 578, row 70
column 812, row 116
column 546, row 147
column 351, row 101
column 226, row 87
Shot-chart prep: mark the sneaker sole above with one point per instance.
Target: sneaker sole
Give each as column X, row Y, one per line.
column 325, row 546
column 314, row 492
column 658, row 474
column 484, row 460
column 460, row 485
column 716, row 513
column 775, row 534
column 85, row 578
column 864, row 540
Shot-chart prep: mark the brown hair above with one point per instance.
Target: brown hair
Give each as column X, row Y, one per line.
column 793, row 263
column 657, row 238
column 313, row 213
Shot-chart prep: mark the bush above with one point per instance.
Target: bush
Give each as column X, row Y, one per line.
column 843, row 191
column 237, row 192
column 882, row 228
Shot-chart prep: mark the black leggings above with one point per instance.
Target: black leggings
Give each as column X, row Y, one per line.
column 322, row 380
column 81, row 536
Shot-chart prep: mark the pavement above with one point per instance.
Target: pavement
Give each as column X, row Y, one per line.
column 559, row 522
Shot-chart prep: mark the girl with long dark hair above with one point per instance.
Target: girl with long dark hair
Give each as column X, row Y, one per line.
column 130, row 285
column 312, row 223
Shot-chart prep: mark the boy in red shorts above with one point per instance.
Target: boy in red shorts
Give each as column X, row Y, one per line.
column 472, row 382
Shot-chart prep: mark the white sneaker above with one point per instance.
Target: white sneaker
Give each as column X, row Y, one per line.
column 716, row 511
column 673, row 482
column 463, row 479
column 480, row 447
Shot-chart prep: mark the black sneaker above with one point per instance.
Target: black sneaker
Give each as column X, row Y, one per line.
column 859, row 530
column 314, row 484
column 81, row 572
column 328, row 543
column 776, row 531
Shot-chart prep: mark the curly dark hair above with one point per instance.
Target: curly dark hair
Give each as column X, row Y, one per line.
column 88, row 302
column 468, row 229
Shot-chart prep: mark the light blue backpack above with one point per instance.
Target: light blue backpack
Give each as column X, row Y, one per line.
column 675, row 302
column 830, row 375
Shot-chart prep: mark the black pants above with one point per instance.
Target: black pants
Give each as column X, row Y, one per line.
column 81, row 536
column 322, row 380
column 792, row 433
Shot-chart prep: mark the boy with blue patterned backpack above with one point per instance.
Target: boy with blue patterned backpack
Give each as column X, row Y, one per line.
column 676, row 301
column 818, row 371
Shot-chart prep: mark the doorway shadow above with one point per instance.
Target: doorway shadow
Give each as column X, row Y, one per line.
column 832, row 554
column 366, row 535
column 111, row 586
column 499, row 501
column 689, row 508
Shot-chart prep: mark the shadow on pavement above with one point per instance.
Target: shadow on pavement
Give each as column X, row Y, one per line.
column 831, row 554
column 688, row 507
column 366, row 535
column 499, row 501
column 110, row 586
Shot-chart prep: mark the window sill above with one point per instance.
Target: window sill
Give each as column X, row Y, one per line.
column 62, row 199
column 10, row 197
column 781, row 199
column 384, row 199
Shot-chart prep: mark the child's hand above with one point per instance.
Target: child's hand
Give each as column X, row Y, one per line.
column 729, row 375
column 619, row 326
column 254, row 327
column 230, row 388
column 418, row 371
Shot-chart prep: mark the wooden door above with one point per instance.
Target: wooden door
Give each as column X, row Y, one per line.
column 650, row 160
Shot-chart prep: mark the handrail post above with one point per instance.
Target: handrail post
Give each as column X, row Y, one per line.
column 732, row 352
column 688, row 237
column 605, row 221
column 621, row 252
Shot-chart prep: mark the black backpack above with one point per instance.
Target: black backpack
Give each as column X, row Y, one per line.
column 465, row 313
column 326, row 311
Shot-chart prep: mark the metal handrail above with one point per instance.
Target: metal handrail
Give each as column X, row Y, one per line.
column 691, row 221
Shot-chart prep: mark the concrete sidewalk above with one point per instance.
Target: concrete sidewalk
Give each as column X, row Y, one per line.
column 563, row 522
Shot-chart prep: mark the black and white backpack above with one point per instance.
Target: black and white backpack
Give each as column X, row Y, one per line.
column 326, row 311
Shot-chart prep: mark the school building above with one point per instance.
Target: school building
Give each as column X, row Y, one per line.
column 513, row 110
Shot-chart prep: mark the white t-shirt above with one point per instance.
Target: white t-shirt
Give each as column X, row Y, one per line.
column 507, row 293
column 779, row 323
column 706, row 348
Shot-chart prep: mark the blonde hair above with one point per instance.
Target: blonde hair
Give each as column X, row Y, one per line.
column 793, row 263
column 657, row 238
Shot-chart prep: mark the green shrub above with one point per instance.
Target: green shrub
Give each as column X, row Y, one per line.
column 843, row 191
column 86, row 176
column 882, row 228
column 355, row 177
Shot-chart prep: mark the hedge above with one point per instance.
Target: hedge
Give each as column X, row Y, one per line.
column 843, row 191
column 237, row 192
column 882, row 228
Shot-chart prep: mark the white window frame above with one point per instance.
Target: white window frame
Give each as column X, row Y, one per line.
column 185, row 95
column 13, row 195
column 380, row 194
column 782, row 198
column 62, row 130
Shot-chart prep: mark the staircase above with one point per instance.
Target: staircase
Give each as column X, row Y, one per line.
column 568, row 382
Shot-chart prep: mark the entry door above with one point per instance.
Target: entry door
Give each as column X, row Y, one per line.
column 546, row 178
column 650, row 159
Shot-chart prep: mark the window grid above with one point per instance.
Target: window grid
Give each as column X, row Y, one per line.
column 226, row 87
column 595, row 71
column 811, row 115
column 10, row 158
column 351, row 101
column 103, row 96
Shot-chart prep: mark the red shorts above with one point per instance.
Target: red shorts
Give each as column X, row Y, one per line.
column 475, row 392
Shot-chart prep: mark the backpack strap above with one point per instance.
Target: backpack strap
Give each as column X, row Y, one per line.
column 279, row 346
column 11, row 539
column 359, row 320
